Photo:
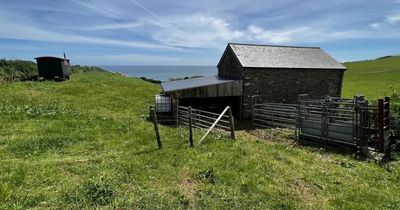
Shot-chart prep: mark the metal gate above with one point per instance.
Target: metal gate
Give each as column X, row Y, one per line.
column 331, row 121
column 274, row 115
column 203, row 119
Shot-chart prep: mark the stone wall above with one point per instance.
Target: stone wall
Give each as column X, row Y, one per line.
column 284, row 85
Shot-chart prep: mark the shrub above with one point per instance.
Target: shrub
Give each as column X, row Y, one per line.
column 19, row 70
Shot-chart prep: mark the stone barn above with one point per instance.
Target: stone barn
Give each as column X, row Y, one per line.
column 274, row 73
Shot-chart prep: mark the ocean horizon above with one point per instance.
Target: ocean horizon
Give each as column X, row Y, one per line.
column 162, row 73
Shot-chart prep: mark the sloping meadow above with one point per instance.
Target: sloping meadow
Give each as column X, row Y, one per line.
column 86, row 143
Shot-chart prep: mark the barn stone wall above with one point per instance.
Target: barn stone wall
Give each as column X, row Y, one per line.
column 284, row 85
column 229, row 66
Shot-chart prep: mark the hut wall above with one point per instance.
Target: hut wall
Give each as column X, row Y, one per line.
column 284, row 85
column 49, row 68
column 66, row 68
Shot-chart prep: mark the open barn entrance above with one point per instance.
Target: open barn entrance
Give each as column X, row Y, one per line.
column 214, row 104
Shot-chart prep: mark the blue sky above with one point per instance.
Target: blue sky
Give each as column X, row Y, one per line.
column 176, row 32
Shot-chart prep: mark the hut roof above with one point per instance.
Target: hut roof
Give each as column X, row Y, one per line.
column 272, row 56
column 51, row 57
column 193, row 83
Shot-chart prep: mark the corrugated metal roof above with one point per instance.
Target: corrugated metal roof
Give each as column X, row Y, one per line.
column 193, row 83
column 271, row 56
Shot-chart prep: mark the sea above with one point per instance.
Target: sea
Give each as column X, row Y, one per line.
column 163, row 73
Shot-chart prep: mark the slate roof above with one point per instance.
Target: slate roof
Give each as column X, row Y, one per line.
column 272, row 56
column 193, row 83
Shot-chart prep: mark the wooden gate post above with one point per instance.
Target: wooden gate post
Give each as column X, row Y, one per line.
column 387, row 125
column 12, row 75
column 252, row 101
column 381, row 122
column 190, row 126
column 177, row 112
column 232, row 123
column 363, row 129
column 155, row 122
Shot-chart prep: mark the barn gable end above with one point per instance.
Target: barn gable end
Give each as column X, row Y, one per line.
column 229, row 65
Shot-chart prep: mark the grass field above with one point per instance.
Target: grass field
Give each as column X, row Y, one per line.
column 374, row 78
column 86, row 143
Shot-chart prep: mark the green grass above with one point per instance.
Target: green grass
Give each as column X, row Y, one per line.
column 374, row 78
column 85, row 143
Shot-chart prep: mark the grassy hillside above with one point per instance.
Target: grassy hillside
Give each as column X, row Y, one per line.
column 86, row 143
column 373, row 78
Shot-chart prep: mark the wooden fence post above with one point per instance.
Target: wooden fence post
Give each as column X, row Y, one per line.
column 252, row 108
column 12, row 75
column 177, row 112
column 190, row 126
column 387, row 110
column 381, row 122
column 387, row 123
column 156, row 129
column 232, row 122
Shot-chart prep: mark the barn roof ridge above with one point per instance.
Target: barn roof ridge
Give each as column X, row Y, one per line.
column 273, row 45
column 275, row 56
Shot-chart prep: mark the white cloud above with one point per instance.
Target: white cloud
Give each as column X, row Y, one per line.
column 18, row 27
column 196, row 31
column 375, row 25
column 395, row 18
column 208, row 32
column 100, row 8
column 25, row 32
column 282, row 36
column 124, row 59
column 116, row 26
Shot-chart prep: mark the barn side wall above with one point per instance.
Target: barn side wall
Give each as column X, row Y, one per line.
column 229, row 65
column 284, row 85
column 220, row 90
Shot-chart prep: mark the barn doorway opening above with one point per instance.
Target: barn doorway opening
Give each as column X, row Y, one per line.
column 214, row 104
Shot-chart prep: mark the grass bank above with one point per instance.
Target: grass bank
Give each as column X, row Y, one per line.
column 85, row 143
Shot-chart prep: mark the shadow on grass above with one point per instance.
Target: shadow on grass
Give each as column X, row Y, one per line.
column 145, row 152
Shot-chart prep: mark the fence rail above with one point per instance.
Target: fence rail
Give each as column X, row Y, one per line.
column 274, row 115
